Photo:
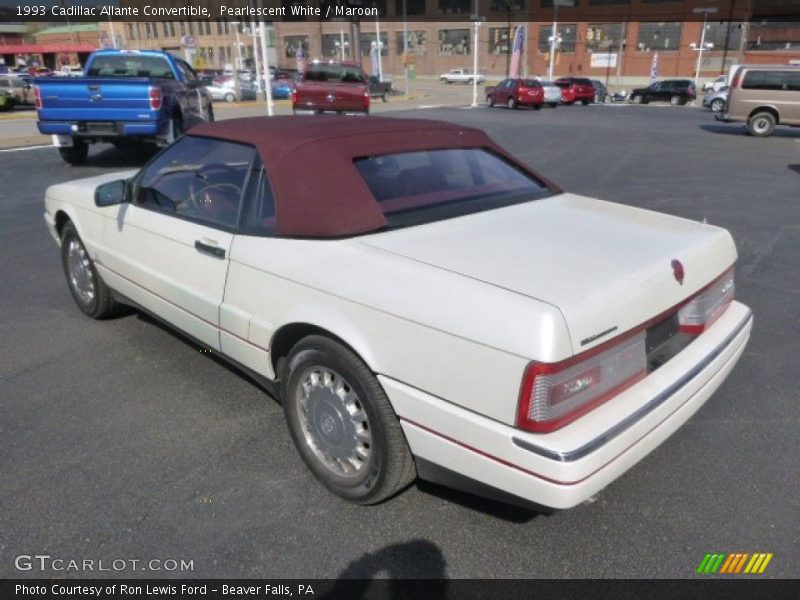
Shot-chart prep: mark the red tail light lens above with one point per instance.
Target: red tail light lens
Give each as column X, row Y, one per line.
column 735, row 82
column 366, row 99
column 37, row 97
column 156, row 98
column 554, row 394
column 700, row 312
column 294, row 97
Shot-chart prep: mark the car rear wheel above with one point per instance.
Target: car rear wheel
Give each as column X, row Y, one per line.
column 90, row 293
column 75, row 154
column 585, row 102
column 230, row 97
column 676, row 100
column 343, row 424
column 761, row 124
column 717, row 105
column 512, row 104
column 489, row 101
column 636, row 99
column 552, row 104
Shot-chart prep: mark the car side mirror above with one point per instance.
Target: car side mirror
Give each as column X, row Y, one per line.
column 112, row 193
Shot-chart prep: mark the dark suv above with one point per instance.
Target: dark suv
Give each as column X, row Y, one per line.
column 674, row 91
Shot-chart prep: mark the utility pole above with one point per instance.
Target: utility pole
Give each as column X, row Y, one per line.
column 476, row 24
column 267, row 82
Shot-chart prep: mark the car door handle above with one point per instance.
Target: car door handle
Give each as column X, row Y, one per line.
column 215, row 251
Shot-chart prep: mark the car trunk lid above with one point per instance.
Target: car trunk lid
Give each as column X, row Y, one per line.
column 607, row 267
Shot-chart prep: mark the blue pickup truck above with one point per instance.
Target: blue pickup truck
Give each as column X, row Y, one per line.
column 142, row 95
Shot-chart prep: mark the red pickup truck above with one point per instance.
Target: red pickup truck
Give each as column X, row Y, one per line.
column 330, row 86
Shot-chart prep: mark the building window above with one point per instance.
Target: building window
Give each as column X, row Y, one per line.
column 332, row 46
column 499, row 40
column 567, row 34
column 659, row 37
column 455, row 6
column 417, row 42
column 607, row 2
column 413, row 7
column 454, row 42
column 292, row 42
column 773, row 36
column 603, row 37
column 504, row 6
column 132, row 31
column 366, row 40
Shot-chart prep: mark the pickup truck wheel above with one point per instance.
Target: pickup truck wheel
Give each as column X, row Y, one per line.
column 75, row 154
column 90, row 293
column 761, row 124
column 343, row 424
column 230, row 97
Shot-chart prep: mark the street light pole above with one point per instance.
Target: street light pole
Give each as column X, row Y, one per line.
column 702, row 47
column 476, row 24
column 405, row 44
column 267, row 83
column 554, row 34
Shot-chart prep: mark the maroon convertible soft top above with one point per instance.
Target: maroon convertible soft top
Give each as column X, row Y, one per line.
column 318, row 191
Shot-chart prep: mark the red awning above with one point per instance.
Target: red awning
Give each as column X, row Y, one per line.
column 45, row 48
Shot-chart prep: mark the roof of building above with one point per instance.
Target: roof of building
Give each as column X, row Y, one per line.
column 74, row 28
column 318, row 191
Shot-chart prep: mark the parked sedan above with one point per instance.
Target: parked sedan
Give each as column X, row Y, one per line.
column 600, row 91
column 422, row 303
column 675, row 91
column 716, row 100
column 552, row 93
column 513, row 93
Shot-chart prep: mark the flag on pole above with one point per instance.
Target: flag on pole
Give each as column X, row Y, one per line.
column 654, row 69
column 516, row 53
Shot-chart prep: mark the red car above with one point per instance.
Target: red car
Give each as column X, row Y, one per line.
column 332, row 87
column 575, row 89
column 516, row 92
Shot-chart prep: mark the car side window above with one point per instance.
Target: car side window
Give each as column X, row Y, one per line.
column 259, row 217
column 199, row 179
column 188, row 73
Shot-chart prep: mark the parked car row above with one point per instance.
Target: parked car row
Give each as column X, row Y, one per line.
column 535, row 92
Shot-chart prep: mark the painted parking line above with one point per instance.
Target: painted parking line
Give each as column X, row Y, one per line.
column 23, row 148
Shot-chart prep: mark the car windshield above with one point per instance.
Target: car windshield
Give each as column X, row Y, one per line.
column 130, row 65
column 419, row 187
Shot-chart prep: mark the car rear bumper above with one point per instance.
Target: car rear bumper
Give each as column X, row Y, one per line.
column 565, row 467
column 102, row 129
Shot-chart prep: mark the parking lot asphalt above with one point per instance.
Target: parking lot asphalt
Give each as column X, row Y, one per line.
column 121, row 440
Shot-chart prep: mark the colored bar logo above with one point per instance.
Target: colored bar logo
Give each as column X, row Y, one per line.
column 734, row 563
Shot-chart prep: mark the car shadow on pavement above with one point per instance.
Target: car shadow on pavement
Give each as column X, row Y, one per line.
column 487, row 506
column 135, row 155
column 393, row 573
column 257, row 381
column 795, row 168
column 733, row 129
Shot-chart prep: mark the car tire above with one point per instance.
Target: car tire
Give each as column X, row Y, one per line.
column 637, row 99
column 676, row 100
column 717, row 105
column 89, row 291
column 585, row 102
column 210, row 113
column 230, row 97
column 342, row 423
column 489, row 101
column 75, row 154
column 511, row 104
column 761, row 124
column 537, row 107
column 552, row 104
column 384, row 98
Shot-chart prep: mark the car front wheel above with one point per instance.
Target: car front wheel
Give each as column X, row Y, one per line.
column 489, row 101
column 636, row 99
column 343, row 424
column 90, row 293
column 717, row 105
column 761, row 124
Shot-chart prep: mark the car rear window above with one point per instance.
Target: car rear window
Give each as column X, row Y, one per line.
column 582, row 81
column 130, row 65
column 771, row 80
column 418, row 187
column 530, row 83
column 343, row 73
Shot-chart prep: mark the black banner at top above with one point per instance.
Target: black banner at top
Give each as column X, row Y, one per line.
column 596, row 11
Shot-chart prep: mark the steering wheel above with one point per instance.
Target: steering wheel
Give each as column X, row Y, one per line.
column 210, row 198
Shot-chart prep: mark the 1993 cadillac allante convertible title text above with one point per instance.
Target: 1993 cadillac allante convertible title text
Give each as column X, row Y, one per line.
column 422, row 303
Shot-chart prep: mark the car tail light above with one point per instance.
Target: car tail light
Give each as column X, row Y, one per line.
column 365, row 100
column 735, row 82
column 37, row 97
column 156, row 98
column 294, row 97
column 700, row 312
column 554, row 394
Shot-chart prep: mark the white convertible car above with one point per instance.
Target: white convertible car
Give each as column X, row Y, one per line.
column 422, row 303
